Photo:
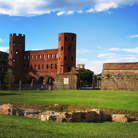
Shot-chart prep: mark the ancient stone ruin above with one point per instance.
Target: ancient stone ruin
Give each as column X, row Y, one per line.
column 96, row 115
column 120, row 76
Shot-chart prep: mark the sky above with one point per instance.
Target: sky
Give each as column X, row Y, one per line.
column 107, row 30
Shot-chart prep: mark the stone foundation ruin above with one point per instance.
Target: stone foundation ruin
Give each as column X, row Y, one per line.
column 95, row 115
column 120, row 76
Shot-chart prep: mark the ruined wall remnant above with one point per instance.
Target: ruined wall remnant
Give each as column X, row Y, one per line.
column 120, row 76
column 68, row 80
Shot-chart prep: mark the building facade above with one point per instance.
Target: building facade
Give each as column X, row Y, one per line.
column 39, row 65
column 3, row 64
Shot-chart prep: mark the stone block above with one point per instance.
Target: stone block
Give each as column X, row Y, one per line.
column 76, row 116
column 91, row 116
column 119, row 118
column 9, row 109
column 101, row 115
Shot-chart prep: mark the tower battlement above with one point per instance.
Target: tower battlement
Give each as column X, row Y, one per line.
column 43, row 62
column 14, row 34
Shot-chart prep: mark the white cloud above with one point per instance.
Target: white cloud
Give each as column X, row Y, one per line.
column 131, row 50
column 103, row 7
column 70, row 12
column 80, row 11
column 4, row 49
column 106, row 55
column 1, row 40
column 38, row 7
column 134, row 36
column 60, row 13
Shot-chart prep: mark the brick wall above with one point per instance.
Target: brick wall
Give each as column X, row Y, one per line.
column 27, row 65
column 120, row 76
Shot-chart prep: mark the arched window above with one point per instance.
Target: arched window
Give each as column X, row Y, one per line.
column 69, row 68
column 55, row 66
column 35, row 67
column 56, row 55
column 47, row 66
column 51, row 66
column 31, row 67
column 43, row 66
column 43, row 56
column 39, row 67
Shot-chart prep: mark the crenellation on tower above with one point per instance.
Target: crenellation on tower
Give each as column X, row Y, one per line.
column 43, row 62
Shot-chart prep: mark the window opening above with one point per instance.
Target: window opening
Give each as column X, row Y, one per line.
column 56, row 55
column 16, row 52
column 39, row 67
column 55, row 66
column 65, row 38
column 43, row 56
column 35, row 67
column 51, row 66
column 43, row 66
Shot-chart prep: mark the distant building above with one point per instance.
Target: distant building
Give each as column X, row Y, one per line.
column 40, row 65
column 81, row 67
column 3, row 64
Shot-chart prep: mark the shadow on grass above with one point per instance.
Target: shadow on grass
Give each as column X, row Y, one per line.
column 89, row 88
column 6, row 93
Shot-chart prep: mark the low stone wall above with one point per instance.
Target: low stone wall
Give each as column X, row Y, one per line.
column 96, row 115
column 120, row 76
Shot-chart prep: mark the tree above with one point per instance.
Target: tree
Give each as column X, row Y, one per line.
column 86, row 76
column 9, row 77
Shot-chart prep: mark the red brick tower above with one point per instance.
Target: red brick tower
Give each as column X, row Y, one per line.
column 16, row 53
column 66, row 52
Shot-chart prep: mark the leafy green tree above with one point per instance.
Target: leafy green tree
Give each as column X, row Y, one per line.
column 9, row 77
column 86, row 76
column 98, row 78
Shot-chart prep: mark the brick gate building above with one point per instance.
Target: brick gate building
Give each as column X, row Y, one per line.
column 39, row 65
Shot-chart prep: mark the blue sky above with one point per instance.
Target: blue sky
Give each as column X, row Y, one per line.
column 107, row 30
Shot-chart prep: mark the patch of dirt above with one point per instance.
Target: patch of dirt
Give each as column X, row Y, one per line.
column 69, row 108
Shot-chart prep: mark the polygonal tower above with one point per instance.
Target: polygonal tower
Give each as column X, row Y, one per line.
column 66, row 52
column 16, row 54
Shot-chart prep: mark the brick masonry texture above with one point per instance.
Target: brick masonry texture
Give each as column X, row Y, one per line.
column 41, row 63
column 120, row 76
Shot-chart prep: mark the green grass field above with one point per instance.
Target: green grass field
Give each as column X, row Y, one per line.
column 90, row 98
column 17, row 126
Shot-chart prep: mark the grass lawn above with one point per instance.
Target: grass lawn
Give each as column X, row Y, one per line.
column 17, row 126
column 125, row 100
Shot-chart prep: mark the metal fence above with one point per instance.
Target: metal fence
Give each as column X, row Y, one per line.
column 25, row 87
